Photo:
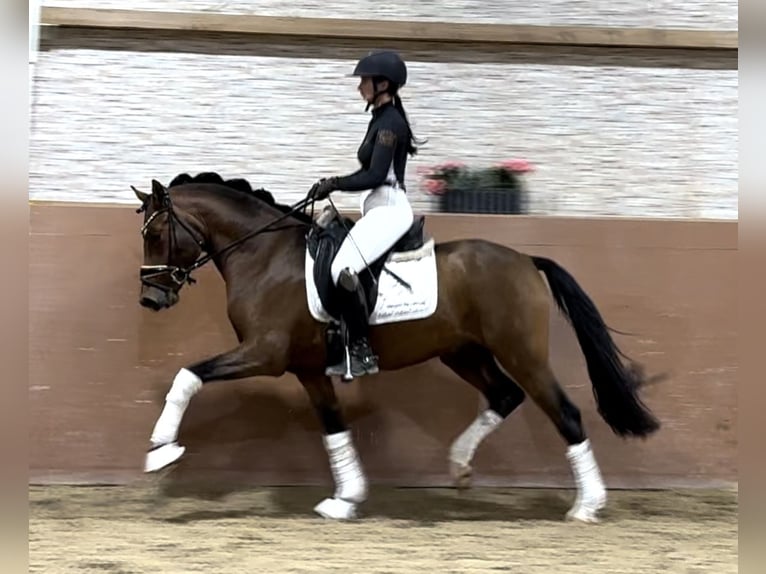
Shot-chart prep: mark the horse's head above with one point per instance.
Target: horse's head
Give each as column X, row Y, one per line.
column 171, row 246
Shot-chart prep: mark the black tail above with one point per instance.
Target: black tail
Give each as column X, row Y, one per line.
column 615, row 386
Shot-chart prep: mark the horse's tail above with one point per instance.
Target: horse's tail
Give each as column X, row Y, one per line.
column 615, row 386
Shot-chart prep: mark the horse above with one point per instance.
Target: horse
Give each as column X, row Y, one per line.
column 482, row 309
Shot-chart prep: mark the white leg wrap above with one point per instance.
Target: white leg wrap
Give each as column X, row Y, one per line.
column 591, row 492
column 336, row 509
column 185, row 385
column 464, row 446
column 350, row 482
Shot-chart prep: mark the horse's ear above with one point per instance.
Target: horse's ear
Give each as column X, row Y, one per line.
column 158, row 189
column 160, row 194
column 142, row 197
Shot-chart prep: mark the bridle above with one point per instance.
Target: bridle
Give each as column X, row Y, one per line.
column 178, row 275
column 181, row 275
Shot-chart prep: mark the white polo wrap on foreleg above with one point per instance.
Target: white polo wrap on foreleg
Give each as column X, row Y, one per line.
column 185, row 385
column 350, row 482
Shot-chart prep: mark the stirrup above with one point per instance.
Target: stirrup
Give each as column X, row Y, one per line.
column 354, row 366
column 343, row 369
column 366, row 363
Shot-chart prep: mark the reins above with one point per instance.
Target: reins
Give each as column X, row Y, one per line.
column 181, row 275
column 263, row 229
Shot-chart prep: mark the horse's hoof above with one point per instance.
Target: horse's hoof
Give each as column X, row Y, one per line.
column 162, row 456
column 336, row 509
column 584, row 514
column 588, row 511
column 461, row 475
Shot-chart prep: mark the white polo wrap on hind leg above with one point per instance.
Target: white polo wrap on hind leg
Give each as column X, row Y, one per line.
column 185, row 385
column 464, row 447
column 591, row 492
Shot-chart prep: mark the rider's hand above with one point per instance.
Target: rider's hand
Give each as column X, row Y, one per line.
column 323, row 188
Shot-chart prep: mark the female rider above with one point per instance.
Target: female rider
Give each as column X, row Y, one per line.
column 386, row 211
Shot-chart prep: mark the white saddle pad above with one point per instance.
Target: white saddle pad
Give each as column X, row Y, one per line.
column 395, row 301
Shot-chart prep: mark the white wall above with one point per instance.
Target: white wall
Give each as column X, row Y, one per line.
column 638, row 137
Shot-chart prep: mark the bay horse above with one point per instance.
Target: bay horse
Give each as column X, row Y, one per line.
column 488, row 322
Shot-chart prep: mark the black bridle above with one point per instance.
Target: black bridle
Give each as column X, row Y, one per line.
column 181, row 275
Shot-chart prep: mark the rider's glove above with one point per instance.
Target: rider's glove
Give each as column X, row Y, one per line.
column 323, row 188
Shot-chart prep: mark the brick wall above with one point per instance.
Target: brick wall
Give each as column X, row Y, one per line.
column 617, row 132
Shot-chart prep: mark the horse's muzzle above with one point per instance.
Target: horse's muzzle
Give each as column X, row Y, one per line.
column 157, row 299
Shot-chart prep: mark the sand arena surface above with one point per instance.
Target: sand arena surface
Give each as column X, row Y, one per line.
column 144, row 528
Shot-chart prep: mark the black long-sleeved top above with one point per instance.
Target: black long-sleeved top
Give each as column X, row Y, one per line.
column 385, row 141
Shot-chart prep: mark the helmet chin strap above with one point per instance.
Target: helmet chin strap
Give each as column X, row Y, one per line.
column 375, row 96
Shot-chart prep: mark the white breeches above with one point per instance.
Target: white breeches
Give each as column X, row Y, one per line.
column 386, row 217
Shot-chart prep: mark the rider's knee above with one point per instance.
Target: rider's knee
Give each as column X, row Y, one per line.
column 348, row 279
column 405, row 216
column 336, row 268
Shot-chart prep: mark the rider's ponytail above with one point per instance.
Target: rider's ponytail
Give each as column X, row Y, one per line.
column 411, row 149
column 393, row 91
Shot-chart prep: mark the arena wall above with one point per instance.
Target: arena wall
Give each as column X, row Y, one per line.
column 100, row 364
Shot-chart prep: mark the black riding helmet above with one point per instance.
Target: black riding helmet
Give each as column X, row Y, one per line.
column 384, row 64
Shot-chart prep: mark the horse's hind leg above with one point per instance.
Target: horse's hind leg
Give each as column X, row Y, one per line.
column 347, row 472
column 534, row 375
column 246, row 360
column 476, row 365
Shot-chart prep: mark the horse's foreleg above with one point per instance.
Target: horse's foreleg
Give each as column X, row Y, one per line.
column 347, row 472
column 164, row 449
column 476, row 365
column 243, row 361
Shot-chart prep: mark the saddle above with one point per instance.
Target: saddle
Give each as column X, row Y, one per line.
column 325, row 238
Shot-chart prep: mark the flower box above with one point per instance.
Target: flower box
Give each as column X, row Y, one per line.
column 482, row 200
column 496, row 189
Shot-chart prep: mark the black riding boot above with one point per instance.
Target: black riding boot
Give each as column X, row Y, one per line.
column 355, row 325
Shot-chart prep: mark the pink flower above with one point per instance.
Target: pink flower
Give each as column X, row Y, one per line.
column 424, row 170
column 436, row 186
column 517, row 165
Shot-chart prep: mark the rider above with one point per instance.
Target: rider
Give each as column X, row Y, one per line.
column 386, row 211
